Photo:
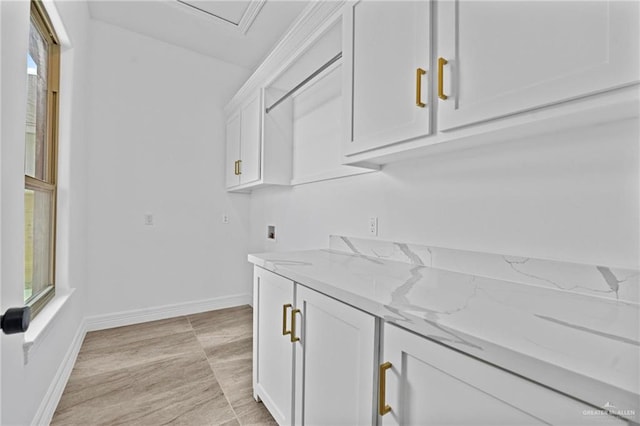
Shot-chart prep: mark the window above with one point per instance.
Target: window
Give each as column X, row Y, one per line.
column 41, row 137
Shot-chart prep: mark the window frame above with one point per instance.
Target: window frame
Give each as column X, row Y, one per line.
column 42, row 22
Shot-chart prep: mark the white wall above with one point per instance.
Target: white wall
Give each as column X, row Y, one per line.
column 156, row 145
column 25, row 386
column 570, row 196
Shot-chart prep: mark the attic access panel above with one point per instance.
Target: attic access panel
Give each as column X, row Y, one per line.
column 238, row 13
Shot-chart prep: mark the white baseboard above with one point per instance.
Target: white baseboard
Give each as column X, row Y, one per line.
column 136, row 316
column 49, row 403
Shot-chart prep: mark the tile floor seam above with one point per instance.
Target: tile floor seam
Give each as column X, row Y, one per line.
column 226, row 395
column 213, row 371
column 203, row 402
column 190, row 323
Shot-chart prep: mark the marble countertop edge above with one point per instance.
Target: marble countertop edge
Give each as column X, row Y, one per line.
column 552, row 371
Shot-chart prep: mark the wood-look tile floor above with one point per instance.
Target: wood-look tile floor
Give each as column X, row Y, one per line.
column 191, row 370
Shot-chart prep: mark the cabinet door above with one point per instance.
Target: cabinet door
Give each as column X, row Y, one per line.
column 233, row 150
column 428, row 383
column 251, row 141
column 335, row 362
column 272, row 350
column 508, row 57
column 385, row 43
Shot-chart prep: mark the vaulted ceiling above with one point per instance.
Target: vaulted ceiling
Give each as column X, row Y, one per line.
column 237, row 31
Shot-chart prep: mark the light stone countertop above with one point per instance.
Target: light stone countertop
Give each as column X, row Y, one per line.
column 579, row 344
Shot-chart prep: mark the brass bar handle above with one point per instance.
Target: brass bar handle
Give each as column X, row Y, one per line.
column 441, row 63
column 383, row 408
column 239, row 167
column 284, row 319
column 293, row 326
column 419, row 73
column 235, row 167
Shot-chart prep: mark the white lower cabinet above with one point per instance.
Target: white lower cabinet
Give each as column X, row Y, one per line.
column 334, row 362
column 316, row 363
column 425, row 383
column 273, row 351
column 314, row 360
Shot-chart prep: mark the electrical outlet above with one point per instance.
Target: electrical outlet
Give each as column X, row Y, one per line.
column 225, row 218
column 271, row 232
column 148, row 219
column 373, row 226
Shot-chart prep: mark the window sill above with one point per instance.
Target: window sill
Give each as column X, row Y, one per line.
column 41, row 325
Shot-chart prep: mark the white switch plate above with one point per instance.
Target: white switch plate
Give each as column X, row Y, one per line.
column 373, row 226
column 148, row 219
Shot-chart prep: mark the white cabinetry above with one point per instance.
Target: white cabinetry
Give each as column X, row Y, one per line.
column 250, row 166
column 329, row 380
column 497, row 70
column 233, row 151
column 292, row 133
column 335, row 362
column 504, row 58
column 315, row 363
column 386, row 51
column 250, row 159
column 427, row 383
column 273, row 351
column 244, row 144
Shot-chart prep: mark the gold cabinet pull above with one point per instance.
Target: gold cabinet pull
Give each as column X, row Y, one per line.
column 441, row 63
column 419, row 73
column 293, row 326
column 239, row 167
column 383, row 408
column 284, row 319
column 235, row 167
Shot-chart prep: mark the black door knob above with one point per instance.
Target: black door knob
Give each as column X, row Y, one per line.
column 15, row 320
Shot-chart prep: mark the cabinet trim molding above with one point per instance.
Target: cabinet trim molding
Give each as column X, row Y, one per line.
column 313, row 17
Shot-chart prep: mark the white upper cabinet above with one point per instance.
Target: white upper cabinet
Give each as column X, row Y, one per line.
column 258, row 146
column 386, row 53
column 419, row 76
column 290, row 127
column 244, row 145
column 233, row 151
column 250, row 143
column 506, row 57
